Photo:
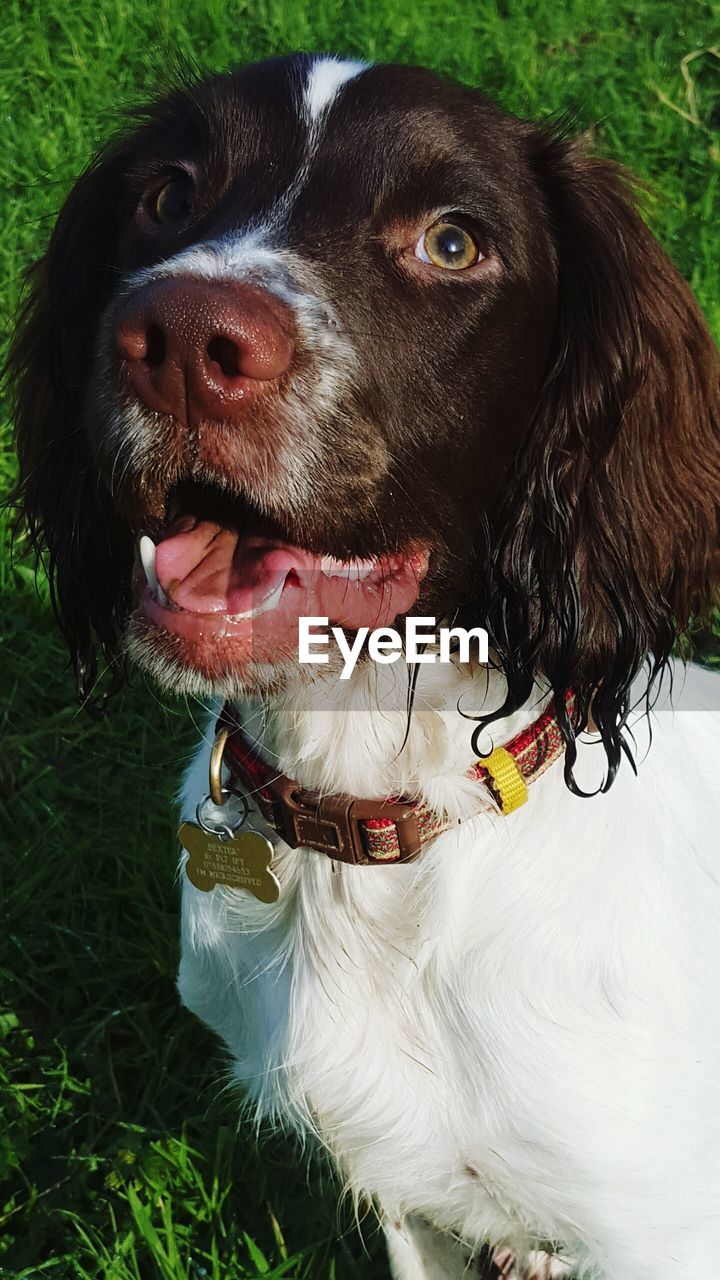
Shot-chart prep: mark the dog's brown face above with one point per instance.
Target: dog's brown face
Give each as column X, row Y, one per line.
column 327, row 339
column 332, row 313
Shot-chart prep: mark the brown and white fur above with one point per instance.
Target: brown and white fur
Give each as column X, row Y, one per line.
column 514, row 1038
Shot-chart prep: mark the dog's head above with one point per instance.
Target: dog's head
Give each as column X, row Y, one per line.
column 318, row 338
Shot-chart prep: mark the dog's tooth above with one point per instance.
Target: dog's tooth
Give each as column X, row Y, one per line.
column 330, row 567
column 359, row 569
column 352, row 570
column 147, row 555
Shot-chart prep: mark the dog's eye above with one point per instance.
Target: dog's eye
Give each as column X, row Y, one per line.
column 174, row 204
column 447, row 245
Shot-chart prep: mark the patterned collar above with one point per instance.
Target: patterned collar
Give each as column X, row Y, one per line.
column 373, row 832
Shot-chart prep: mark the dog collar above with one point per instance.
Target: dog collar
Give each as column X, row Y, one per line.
column 373, row 832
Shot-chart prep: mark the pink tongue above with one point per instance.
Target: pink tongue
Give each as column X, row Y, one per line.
column 205, row 568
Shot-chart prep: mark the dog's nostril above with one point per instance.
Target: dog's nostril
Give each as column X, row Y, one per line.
column 154, row 346
column 225, row 353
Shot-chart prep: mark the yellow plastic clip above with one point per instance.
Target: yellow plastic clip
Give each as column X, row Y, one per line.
column 508, row 782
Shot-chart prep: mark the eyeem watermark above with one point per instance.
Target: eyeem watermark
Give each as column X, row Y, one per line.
column 386, row 645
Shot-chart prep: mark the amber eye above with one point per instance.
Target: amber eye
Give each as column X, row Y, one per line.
column 445, row 244
column 174, row 204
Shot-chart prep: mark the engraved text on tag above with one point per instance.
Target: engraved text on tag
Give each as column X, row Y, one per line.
column 240, row 862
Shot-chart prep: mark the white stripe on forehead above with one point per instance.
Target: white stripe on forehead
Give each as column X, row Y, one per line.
column 325, row 80
column 254, row 252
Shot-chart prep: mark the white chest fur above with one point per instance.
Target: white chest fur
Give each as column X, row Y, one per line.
column 511, row 1033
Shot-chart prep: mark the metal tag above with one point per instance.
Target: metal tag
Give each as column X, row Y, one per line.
column 239, row 861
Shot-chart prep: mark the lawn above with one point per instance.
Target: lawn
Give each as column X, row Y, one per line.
column 121, row 1154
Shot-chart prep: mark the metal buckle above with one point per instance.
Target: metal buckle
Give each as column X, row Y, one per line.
column 217, row 794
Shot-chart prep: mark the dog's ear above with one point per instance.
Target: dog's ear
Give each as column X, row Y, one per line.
column 606, row 544
column 65, row 504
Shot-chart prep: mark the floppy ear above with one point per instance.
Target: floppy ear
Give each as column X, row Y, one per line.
column 65, row 503
column 606, row 543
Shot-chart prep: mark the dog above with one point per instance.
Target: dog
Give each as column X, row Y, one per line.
column 321, row 339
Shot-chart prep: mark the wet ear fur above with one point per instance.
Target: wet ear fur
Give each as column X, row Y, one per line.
column 66, row 506
column 608, row 538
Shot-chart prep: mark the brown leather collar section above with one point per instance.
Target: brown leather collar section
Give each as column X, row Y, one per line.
column 336, row 825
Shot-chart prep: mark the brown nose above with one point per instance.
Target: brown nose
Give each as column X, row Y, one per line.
column 202, row 349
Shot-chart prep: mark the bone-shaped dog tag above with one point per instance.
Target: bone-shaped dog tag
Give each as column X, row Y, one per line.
column 239, row 861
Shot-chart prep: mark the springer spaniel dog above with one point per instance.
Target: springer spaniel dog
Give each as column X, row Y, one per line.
column 321, row 339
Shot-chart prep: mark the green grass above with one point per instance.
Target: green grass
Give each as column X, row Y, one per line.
column 120, row 1152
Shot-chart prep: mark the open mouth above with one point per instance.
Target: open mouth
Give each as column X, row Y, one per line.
column 221, row 572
